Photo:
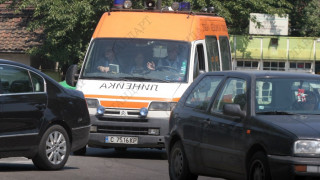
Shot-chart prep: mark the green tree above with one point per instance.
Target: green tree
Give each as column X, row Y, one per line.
column 237, row 12
column 304, row 18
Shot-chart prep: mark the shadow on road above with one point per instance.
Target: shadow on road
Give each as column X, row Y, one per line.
column 130, row 153
column 18, row 167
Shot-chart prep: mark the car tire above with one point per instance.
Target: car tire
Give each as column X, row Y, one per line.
column 178, row 164
column 80, row 152
column 258, row 167
column 53, row 150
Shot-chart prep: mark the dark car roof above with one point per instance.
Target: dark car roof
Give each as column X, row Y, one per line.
column 260, row 74
column 3, row 61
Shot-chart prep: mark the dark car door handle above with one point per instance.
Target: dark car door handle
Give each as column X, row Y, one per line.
column 207, row 121
column 40, row 106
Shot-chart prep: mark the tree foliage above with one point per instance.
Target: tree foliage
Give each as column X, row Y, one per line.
column 69, row 24
column 304, row 18
column 237, row 12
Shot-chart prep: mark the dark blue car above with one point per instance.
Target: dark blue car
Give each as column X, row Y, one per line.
column 247, row 125
column 39, row 119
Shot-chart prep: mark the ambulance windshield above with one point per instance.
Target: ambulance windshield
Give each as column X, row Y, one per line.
column 137, row 59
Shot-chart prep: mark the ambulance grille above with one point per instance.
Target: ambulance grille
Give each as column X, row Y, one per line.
column 122, row 112
column 123, row 130
column 116, row 119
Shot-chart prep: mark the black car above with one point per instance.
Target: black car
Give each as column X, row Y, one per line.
column 247, row 125
column 39, row 119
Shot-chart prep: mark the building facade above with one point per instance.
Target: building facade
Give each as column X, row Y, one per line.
column 14, row 37
column 279, row 53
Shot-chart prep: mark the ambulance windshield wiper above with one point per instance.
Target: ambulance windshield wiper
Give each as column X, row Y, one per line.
column 135, row 78
column 103, row 77
column 162, row 80
column 145, row 79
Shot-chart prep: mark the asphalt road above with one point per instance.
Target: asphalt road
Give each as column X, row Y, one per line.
column 107, row 164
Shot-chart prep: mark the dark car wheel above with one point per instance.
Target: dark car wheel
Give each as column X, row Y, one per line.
column 80, row 152
column 53, row 150
column 178, row 164
column 259, row 169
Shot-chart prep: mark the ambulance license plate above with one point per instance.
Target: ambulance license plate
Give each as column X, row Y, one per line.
column 121, row 140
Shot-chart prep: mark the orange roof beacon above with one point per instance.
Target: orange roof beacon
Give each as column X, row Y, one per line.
column 138, row 65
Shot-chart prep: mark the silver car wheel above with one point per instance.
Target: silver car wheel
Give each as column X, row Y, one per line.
column 56, row 147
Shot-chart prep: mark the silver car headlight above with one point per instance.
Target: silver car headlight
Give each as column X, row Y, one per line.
column 307, row 147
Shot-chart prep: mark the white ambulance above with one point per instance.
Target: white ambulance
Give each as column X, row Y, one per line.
column 138, row 65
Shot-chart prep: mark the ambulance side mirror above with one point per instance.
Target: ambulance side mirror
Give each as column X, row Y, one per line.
column 72, row 75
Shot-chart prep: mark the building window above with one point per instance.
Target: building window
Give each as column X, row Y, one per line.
column 274, row 66
column 300, row 65
column 247, row 64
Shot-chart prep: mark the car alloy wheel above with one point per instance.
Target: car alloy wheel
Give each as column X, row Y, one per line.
column 53, row 150
column 56, row 147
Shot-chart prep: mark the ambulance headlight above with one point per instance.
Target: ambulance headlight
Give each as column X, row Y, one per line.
column 162, row 106
column 92, row 103
column 127, row 4
column 143, row 112
column 175, row 6
column 100, row 110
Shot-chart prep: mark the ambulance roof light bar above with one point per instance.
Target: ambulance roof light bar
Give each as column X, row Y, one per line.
column 207, row 10
column 127, row 4
column 150, row 4
column 182, row 6
column 120, row 4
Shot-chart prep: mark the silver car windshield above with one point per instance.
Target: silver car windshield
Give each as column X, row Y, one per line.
column 287, row 96
column 137, row 59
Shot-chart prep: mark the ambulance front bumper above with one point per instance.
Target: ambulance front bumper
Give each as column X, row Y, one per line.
column 129, row 131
